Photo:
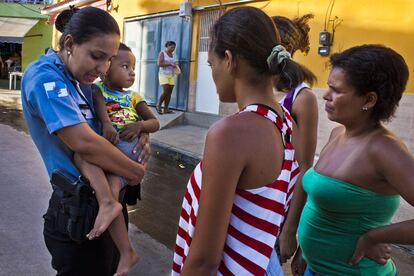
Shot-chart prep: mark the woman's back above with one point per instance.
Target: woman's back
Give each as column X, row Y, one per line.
column 258, row 212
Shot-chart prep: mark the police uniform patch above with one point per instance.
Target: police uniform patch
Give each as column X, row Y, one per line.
column 55, row 89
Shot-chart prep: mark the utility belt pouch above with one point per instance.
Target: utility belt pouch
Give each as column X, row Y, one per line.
column 75, row 207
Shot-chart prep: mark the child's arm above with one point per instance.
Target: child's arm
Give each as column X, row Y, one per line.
column 108, row 130
column 149, row 123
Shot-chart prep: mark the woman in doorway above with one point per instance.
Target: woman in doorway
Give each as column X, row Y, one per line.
column 168, row 67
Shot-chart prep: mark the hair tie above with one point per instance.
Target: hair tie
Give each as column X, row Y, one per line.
column 280, row 53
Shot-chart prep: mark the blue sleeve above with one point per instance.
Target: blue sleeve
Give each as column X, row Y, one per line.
column 51, row 99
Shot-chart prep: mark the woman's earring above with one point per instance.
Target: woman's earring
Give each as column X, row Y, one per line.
column 69, row 53
column 364, row 108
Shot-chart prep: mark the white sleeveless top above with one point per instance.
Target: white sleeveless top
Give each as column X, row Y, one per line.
column 167, row 60
column 290, row 97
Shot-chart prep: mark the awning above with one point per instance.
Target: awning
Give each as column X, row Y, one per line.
column 14, row 29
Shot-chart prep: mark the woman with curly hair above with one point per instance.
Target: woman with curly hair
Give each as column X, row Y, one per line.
column 355, row 187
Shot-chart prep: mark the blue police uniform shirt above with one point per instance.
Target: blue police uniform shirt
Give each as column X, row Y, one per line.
column 52, row 99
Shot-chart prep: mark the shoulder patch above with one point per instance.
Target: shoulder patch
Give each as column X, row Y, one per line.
column 55, row 89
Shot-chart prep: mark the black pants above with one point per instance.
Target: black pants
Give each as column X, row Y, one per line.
column 96, row 257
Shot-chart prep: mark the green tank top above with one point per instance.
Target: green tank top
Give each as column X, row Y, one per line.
column 335, row 215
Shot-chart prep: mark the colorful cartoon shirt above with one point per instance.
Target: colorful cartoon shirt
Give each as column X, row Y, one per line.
column 120, row 105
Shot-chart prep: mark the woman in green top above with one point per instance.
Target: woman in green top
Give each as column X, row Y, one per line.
column 353, row 190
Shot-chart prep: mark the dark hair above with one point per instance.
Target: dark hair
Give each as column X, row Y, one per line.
column 251, row 35
column 87, row 23
column 375, row 68
column 123, row 47
column 169, row 43
column 294, row 34
column 63, row 18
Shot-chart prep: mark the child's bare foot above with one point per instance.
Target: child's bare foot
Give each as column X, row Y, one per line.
column 126, row 262
column 106, row 214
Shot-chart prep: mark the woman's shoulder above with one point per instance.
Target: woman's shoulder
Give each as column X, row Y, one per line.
column 39, row 67
column 232, row 137
column 40, row 72
column 305, row 97
column 383, row 142
column 45, row 65
column 239, row 127
column 336, row 131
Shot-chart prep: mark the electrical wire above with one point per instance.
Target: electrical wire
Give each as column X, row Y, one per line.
column 265, row 5
column 330, row 13
column 326, row 16
column 335, row 23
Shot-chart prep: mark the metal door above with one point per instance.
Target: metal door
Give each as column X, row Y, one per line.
column 147, row 37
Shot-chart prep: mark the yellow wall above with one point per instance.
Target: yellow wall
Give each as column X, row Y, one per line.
column 388, row 22
column 35, row 42
column 364, row 21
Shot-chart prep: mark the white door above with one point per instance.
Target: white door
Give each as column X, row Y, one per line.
column 206, row 96
column 207, row 100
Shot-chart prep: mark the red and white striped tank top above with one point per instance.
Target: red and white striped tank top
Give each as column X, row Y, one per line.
column 256, row 217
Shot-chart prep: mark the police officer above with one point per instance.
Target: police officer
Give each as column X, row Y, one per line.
column 58, row 108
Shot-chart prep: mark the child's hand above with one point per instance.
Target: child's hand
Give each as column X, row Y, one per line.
column 109, row 133
column 131, row 131
column 143, row 147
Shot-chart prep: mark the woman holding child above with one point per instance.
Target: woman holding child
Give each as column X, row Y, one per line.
column 58, row 107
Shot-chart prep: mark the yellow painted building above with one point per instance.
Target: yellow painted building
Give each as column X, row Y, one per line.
column 388, row 22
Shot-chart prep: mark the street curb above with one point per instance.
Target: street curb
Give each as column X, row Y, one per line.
column 174, row 153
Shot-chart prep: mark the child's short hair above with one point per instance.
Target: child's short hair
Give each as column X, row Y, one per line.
column 123, row 47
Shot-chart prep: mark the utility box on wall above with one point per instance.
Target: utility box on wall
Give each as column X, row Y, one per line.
column 325, row 40
column 185, row 9
column 323, row 50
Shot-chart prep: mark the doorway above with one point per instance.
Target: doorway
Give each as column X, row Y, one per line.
column 147, row 37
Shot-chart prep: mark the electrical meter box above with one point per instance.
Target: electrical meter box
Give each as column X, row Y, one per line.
column 185, row 9
column 325, row 38
column 323, row 51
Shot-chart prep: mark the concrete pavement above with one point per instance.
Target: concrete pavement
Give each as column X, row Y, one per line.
column 23, row 177
column 23, row 200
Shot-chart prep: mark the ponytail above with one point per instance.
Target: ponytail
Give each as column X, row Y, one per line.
column 302, row 25
column 291, row 73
